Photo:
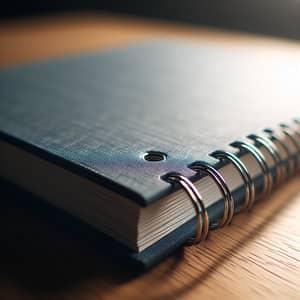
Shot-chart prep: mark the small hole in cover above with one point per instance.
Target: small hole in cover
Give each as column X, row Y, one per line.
column 154, row 156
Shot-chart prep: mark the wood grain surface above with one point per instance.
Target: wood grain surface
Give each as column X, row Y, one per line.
column 257, row 257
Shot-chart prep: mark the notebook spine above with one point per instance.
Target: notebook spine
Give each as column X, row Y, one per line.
column 253, row 147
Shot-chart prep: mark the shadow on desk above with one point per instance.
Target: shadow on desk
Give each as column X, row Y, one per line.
column 39, row 249
column 42, row 255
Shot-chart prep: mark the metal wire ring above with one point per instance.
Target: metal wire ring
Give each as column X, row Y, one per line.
column 268, row 179
column 297, row 121
column 286, row 130
column 297, row 132
column 273, row 151
column 242, row 169
column 201, row 212
column 291, row 165
column 222, row 185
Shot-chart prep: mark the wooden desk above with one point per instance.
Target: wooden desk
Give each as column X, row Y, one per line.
column 258, row 256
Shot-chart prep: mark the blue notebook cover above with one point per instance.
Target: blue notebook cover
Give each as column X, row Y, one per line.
column 96, row 114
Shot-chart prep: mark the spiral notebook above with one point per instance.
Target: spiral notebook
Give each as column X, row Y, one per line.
column 151, row 146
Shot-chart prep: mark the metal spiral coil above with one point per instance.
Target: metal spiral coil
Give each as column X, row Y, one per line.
column 274, row 153
column 297, row 121
column 259, row 157
column 288, row 132
column 196, row 198
column 291, row 165
column 244, row 173
column 224, row 189
column 283, row 171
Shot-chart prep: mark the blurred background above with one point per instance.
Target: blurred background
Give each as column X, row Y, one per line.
column 271, row 17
